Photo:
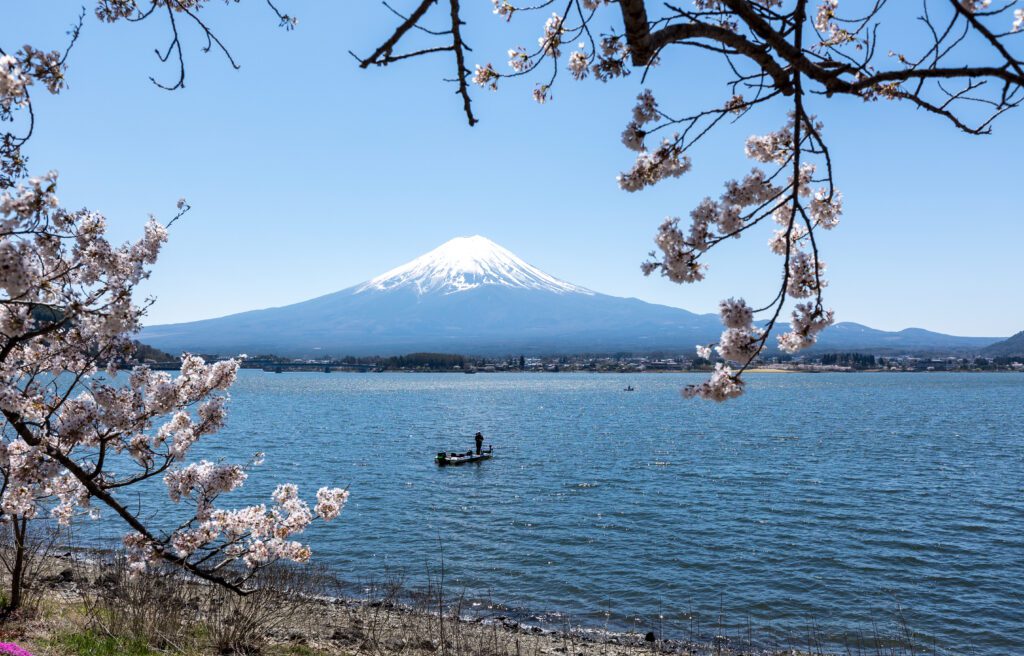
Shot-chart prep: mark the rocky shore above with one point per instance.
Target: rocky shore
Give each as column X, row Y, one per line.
column 88, row 605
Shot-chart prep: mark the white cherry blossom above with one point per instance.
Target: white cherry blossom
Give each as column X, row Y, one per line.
column 736, row 314
column 723, row 385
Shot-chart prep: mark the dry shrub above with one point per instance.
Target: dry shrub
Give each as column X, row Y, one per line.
column 171, row 611
column 43, row 538
column 393, row 620
column 158, row 607
column 382, row 623
column 282, row 605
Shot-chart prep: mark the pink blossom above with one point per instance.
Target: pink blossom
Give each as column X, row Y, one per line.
column 723, row 385
column 12, row 649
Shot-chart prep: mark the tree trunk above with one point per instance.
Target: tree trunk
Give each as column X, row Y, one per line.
column 18, row 571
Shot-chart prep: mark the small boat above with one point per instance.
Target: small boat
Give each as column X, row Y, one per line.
column 443, row 458
column 629, row 389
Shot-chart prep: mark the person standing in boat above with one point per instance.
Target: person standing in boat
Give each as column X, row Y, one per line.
column 479, row 442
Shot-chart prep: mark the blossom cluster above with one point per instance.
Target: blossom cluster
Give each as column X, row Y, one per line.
column 486, row 76
column 255, row 535
column 114, row 10
column 775, row 147
column 606, row 62
column 710, row 222
column 974, row 6
column 719, row 13
column 13, row 83
column 551, row 40
column 610, row 62
column 650, row 167
column 503, row 8
column 665, row 161
column 741, row 340
column 718, row 5
column 204, row 481
column 825, row 24
column 18, row 73
column 518, row 60
column 578, row 63
column 329, row 502
column 645, row 111
column 724, row 384
column 808, row 320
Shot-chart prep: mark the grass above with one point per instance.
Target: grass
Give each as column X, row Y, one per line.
column 87, row 643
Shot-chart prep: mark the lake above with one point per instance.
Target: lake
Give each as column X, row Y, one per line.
column 835, row 500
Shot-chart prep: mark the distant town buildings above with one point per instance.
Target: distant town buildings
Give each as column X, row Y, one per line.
column 617, row 362
column 625, row 363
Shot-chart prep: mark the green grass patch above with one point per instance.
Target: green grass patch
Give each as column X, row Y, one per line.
column 88, row 643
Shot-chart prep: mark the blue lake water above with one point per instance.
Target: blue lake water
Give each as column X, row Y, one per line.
column 836, row 500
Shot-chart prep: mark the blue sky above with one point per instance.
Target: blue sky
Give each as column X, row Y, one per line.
column 308, row 175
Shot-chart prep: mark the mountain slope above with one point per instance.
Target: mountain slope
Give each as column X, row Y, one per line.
column 849, row 336
column 472, row 296
column 1012, row 346
column 491, row 319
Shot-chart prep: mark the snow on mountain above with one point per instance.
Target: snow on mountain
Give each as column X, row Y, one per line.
column 466, row 263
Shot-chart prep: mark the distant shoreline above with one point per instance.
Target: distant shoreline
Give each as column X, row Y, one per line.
column 759, row 370
column 363, row 368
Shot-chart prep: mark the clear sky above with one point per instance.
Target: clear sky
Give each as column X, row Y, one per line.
column 308, row 175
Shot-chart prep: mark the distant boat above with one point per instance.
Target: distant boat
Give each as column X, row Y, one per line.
column 442, row 458
column 629, row 388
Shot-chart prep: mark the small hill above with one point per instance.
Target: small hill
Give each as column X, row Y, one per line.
column 145, row 352
column 1012, row 346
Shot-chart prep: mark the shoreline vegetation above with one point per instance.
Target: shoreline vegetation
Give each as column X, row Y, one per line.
column 617, row 363
column 89, row 603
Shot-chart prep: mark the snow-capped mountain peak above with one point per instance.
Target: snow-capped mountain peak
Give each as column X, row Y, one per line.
column 466, row 263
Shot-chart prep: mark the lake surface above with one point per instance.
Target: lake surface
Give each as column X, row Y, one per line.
column 838, row 500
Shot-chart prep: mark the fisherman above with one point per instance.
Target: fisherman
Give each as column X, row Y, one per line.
column 479, row 442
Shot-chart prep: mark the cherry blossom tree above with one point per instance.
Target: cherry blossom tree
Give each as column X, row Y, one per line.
column 960, row 60
column 78, row 434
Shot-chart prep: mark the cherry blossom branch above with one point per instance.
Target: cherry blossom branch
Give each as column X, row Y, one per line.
column 381, row 55
column 28, row 66
column 384, row 54
column 460, row 62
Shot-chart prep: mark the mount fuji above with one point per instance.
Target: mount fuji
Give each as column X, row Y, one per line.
column 472, row 296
